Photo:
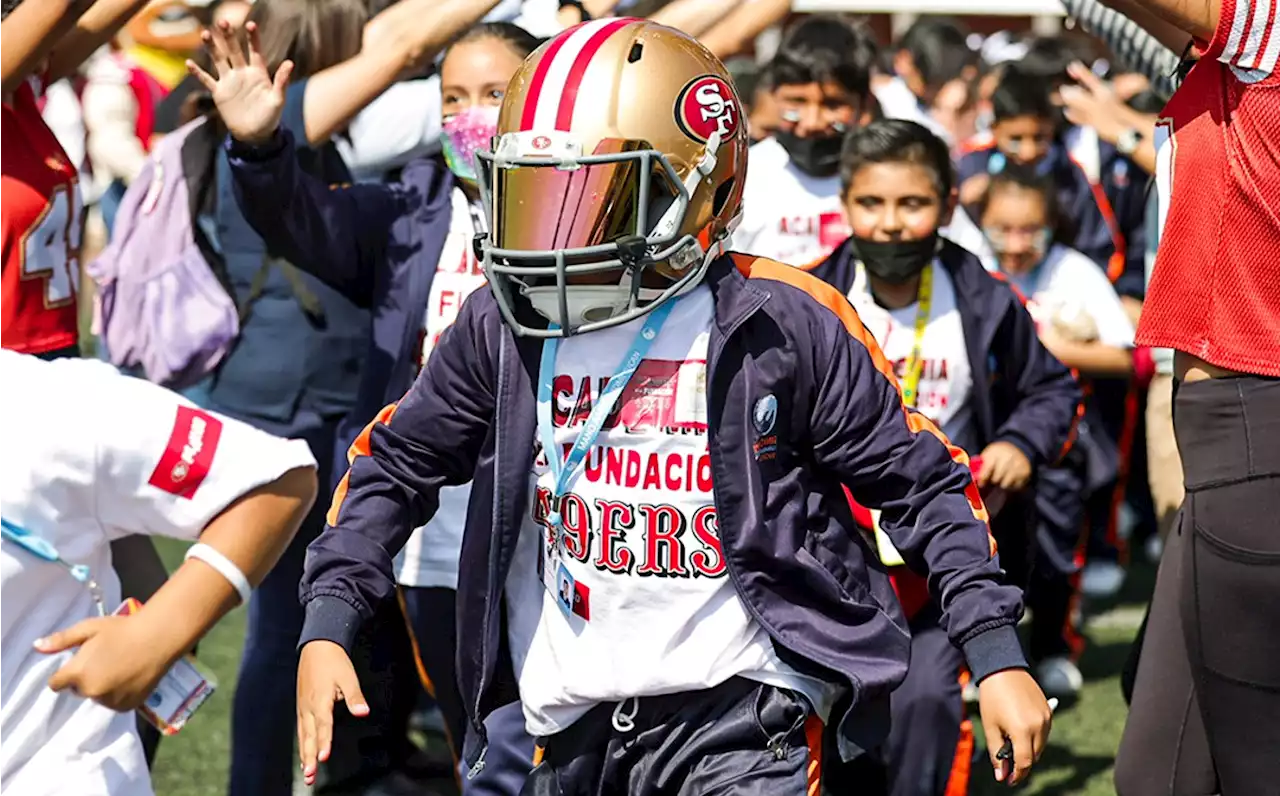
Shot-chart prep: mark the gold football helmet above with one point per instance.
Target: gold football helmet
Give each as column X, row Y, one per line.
column 620, row 154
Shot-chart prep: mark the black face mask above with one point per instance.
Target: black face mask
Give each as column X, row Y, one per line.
column 817, row 157
column 895, row 261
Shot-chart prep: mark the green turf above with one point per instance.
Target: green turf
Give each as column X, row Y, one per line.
column 1077, row 763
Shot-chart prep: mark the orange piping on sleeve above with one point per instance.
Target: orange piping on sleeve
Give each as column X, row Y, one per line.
column 358, row 448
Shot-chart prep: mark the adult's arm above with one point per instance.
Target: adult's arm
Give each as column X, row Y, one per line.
column 694, row 17
column 92, row 30
column 736, row 31
column 1172, row 22
column 30, row 33
column 399, row 126
column 1134, row 47
column 402, row 38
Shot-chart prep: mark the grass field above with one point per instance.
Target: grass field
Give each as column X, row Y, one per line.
column 1077, row 763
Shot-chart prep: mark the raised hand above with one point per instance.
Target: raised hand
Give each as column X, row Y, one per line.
column 250, row 101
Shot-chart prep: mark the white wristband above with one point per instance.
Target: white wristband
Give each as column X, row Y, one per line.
column 225, row 568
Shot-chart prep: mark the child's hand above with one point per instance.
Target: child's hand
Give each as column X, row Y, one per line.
column 325, row 675
column 1014, row 708
column 250, row 100
column 119, row 663
column 1005, row 466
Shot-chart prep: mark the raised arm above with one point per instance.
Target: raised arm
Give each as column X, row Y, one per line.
column 736, row 31
column 406, row 36
column 1134, row 47
column 1172, row 22
column 338, row 234
column 694, row 17
column 30, row 32
column 92, row 30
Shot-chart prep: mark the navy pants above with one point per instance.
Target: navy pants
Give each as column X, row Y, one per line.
column 928, row 709
column 432, row 616
column 740, row 738
column 1061, row 509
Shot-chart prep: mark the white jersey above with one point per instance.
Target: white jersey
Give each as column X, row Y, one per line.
column 660, row 614
column 946, row 378
column 92, row 456
column 430, row 558
column 797, row 219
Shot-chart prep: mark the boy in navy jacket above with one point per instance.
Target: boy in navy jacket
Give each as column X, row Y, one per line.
column 659, row 560
column 967, row 355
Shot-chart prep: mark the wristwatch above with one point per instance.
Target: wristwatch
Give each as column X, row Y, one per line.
column 1128, row 140
column 582, row 10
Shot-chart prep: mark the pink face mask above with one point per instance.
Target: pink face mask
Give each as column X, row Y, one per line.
column 464, row 133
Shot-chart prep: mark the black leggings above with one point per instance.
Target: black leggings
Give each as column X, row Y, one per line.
column 1205, row 716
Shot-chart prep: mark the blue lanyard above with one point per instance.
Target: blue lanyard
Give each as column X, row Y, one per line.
column 566, row 471
column 43, row 549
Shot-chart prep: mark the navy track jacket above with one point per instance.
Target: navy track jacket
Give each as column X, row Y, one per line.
column 789, row 540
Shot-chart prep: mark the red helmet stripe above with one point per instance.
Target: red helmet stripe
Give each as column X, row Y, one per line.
column 569, row 96
column 540, row 77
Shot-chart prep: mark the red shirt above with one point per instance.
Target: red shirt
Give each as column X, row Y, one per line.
column 1215, row 291
column 40, row 216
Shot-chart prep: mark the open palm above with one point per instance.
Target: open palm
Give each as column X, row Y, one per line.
column 249, row 100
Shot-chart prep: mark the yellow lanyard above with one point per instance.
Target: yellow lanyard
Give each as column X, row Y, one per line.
column 889, row 555
column 915, row 363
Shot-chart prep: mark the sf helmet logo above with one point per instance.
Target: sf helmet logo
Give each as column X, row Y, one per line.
column 707, row 105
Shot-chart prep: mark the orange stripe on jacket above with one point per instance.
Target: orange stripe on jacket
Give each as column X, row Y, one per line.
column 832, row 299
column 961, row 765
column 358, row 448
column 813, row 730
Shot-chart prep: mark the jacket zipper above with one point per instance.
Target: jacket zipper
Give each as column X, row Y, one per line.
column 477, row 723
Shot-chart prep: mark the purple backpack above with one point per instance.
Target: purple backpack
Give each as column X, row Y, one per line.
column 167, row 307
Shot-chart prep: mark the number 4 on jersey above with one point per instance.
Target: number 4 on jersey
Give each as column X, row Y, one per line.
column 51, row 248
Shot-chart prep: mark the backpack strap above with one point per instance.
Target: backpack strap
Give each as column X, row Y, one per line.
column 307, row 300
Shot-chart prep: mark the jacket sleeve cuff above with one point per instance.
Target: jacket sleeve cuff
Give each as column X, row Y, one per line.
column 330, row 618
column 990, row 651
column 256, row 153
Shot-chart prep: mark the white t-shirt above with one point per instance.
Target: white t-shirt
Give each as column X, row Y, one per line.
column 946, row 381
column 403, row 123
column 1068, row 281
column 662, row 614
column 93, row 456
column 794, row 218
column 430, row 559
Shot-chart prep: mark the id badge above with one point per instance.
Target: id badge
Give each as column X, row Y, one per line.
column 572, row 598
column 182, row 690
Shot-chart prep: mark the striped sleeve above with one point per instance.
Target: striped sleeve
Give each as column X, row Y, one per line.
column 1247, row 38
column 1132, row 45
